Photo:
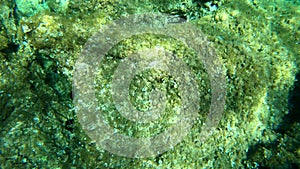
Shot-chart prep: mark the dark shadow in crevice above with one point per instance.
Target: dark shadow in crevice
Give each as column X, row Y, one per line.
column 294, row 108
column 286, row 128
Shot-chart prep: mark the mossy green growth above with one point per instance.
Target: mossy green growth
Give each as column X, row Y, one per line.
column 31, row 7
column 40, row 128
column 148, row 80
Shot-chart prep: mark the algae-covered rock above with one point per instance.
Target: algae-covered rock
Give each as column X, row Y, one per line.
column 257, row 42
column 31, row 7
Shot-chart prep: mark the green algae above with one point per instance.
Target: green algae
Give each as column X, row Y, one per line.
column 258, row 42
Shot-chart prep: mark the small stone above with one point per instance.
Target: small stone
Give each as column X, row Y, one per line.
column 36, row 119
column 223, row 16
column 24, row 160
column 26, row 29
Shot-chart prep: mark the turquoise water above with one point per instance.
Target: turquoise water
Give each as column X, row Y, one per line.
column 225, row 71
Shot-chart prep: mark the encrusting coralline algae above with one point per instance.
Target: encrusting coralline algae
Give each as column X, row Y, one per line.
column 257, row 41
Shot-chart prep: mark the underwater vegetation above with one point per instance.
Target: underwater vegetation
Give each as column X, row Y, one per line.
column 257, row 41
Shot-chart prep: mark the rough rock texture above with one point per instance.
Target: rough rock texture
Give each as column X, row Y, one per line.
column 258, row 42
